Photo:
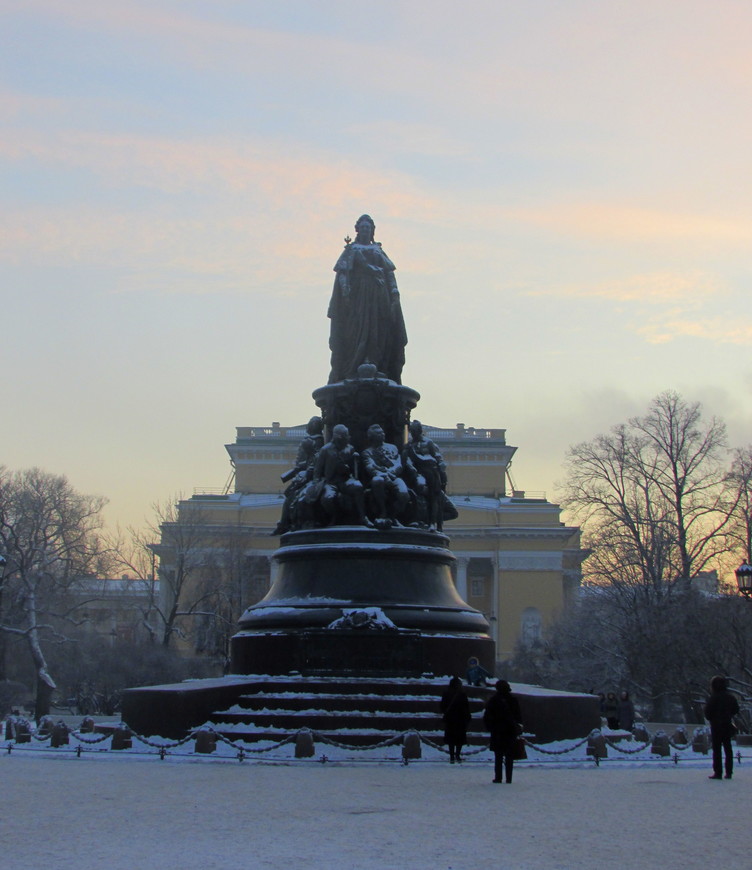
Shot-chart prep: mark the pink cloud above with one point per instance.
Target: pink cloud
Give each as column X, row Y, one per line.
column 654, row 288
column 15, row 104
column 172, row 165
column 616, row 221
column 718, row 330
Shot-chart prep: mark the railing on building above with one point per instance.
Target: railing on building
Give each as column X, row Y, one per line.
column 247, row 434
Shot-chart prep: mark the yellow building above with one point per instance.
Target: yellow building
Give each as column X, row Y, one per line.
column 516, row 561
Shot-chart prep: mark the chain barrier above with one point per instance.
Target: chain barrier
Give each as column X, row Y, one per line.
column 438, row 746
column 614, row 745
column 100, row 739
column 166, row 746
column 391, row 741
column 254, row 749
column 680, row 747
column 563, row 751
column 244, row 749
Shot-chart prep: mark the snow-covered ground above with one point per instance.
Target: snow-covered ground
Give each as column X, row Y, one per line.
column 134, row 811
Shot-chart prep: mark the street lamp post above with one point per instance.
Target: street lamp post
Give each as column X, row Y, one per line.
column 744, row 579
column 3, row 563
column 744, row 582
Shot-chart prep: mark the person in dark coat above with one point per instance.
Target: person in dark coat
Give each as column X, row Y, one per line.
column 611, row 711
column 455, row 711
column 626, row 712
column 720, row 709
column 503, row 719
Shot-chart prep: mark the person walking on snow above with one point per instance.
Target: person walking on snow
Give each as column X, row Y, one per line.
column 720, row 709
column 503, row 719
column 455, row 711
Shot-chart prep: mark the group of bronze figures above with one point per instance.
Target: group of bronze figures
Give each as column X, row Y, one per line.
column 379, row 487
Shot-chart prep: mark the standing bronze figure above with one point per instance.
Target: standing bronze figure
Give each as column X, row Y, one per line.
column 367, row 324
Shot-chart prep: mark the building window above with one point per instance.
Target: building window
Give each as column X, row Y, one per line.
column 530, row 627
column 477, row 587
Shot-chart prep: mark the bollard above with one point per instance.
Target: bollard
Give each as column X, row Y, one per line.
column 701, row 741
column 59, row 735
column 9, row 728
column 660, row 744
column 596, row 746
column 121, row 738
column 87, row 725
column 411, row 747
column 680, row 737
column 641, row 733
column 304, row 747
column 206, row 741
column 23, row 731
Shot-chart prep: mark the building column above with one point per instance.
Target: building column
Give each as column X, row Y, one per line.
column 462, row 563
column 496, row 628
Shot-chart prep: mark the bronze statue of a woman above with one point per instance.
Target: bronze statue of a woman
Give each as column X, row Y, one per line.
column 367, row 324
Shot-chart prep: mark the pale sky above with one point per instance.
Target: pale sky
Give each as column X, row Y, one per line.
column 565, row 187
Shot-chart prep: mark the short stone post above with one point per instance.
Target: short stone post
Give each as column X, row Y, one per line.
column 22, row 731
column 59, row 735
column 121, row 738
column 641, row 733
column 701, row 740
column 411, row 747
column 87, row 725
column 304, row 747
column 680, row 737
column 206, row 741
column 660, row 744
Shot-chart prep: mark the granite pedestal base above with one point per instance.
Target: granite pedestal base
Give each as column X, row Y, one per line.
column 350, row 600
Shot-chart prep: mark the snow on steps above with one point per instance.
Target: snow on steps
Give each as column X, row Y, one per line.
column 357, row 711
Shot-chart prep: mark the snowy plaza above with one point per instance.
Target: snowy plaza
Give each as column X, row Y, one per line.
column 122, row 812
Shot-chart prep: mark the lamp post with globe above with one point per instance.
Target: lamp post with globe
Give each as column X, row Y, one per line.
column 744, row 582
column 744, row 579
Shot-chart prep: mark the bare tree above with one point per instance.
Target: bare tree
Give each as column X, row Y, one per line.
column 653, row 496
column 741, row 527
column 663, row 651
column 234, row 578
column 688, row 458
column 50, row 537
column 169, row 559
column 133, row 554
column 658, row 508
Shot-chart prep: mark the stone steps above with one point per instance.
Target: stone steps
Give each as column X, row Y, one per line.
column 398, row 704
column 356, row 711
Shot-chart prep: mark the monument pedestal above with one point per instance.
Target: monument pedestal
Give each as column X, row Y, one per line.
column 349, row 600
